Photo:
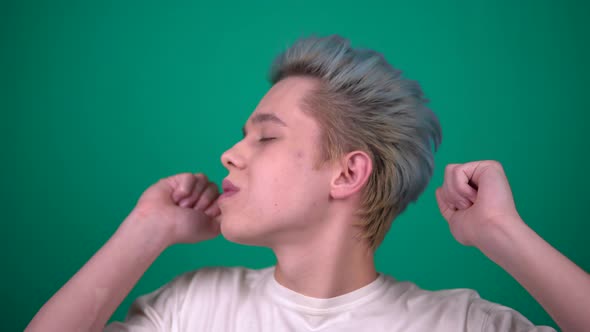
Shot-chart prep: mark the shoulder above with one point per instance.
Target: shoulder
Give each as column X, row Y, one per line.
column 213, row 281
column 189, row 293
column 221, row 274
column 203, row 281
column 423, row 307
column 460, row 308
column 209, row 276
column 489, row 317
column 416, row 298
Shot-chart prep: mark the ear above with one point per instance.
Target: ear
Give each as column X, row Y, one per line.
column 352, row 173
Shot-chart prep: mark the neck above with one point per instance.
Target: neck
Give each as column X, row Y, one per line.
column 325, row 269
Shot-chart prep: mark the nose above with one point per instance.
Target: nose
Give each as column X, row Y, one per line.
column 231, row 158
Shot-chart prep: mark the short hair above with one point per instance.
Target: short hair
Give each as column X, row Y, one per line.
column 363, row 103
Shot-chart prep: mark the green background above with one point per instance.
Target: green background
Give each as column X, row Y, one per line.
column 100, row 99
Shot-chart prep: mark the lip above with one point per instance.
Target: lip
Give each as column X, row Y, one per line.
column 227, row 194
column 229, row 189
column 227, row 185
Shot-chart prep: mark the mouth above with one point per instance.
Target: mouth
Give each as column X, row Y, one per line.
column 227, row 194
column 229, row 189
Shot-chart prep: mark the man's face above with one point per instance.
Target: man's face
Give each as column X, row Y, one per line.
column 281, row 198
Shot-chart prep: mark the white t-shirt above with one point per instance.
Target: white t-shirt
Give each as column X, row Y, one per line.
column 241, row 299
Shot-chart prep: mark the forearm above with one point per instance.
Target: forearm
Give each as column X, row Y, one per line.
column 89, row 298
column 559, row 285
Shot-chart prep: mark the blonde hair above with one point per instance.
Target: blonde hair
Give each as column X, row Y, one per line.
column 363, row 103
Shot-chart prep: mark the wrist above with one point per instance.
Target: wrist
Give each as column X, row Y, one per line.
column 148, row 233
column 501, row 237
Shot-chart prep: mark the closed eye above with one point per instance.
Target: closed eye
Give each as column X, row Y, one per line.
column 266, row 139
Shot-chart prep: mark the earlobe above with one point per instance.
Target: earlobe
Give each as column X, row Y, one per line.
column 352, row 174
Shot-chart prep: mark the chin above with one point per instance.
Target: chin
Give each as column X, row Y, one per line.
column 237, row 231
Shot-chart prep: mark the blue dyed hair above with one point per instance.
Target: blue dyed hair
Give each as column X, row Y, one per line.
column 363, row 103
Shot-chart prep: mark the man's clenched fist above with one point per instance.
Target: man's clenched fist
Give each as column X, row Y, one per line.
column 183, row 205
column 473, row 197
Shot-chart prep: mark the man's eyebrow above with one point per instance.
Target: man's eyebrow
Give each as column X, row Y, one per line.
column 264, row 117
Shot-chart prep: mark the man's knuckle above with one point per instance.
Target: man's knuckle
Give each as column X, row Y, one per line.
column 449, row 168
column 496, row 164
column 201, row 177
column 457, row 170
column 184, row 176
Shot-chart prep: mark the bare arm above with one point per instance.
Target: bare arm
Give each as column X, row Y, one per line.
column 89, row 298
column 178, row 209
column 559, row 285
column 477, row 202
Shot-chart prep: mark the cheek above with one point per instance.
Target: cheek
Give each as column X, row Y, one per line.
column 272, row 193
column 277, row 200
column 286, row 196
column 280, row 185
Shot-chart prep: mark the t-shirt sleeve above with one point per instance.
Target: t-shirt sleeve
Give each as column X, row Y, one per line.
column 486, row 316
column 155, row 311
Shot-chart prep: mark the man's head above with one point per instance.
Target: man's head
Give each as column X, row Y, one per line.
column 354, row 137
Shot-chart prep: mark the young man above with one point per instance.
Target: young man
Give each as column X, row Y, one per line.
column 337, row 148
